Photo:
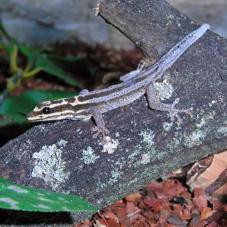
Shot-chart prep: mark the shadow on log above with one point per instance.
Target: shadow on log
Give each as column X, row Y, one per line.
column 145, row 145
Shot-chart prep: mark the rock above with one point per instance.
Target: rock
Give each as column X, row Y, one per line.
column 43, row 22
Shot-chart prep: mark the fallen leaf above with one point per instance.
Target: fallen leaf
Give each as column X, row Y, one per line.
column 211, row 168
column 206, row 213
column 199, row 199
column 133, row 197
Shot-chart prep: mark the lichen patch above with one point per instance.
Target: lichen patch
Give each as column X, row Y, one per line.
column 89, row 156
column 195, row 138
column 49, row 165
column 148, row 137
column 146, row 158
column 109, row 145
column 167, row 126
column 164, row 89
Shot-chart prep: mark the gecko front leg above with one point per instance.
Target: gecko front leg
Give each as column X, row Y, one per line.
column 155, row 104
column 100, row 124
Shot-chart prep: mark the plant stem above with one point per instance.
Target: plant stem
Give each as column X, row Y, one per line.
column 13, row 60
column 14, row 81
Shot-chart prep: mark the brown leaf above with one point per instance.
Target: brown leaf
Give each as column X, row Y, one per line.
column 153, row 188
column 156, row 204
column 219, row 182
column 119, row 209
column 111, row 217
column 133, row 197
column 213, row 224
column 173, row 188
column 182, row 211
column 198, row 168
column 176, row 220
column 83, row 224
column 100, row 223
column 199, row 200
column 133, row 212
column 210, row 174
column 206, row 213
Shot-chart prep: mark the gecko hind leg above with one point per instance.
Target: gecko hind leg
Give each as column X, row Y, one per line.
column 155, row 104
column 100, row 127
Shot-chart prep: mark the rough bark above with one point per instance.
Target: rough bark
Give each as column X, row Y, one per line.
column 145, row 144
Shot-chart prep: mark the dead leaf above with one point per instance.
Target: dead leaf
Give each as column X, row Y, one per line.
column 199, row 199
column 206, row 213
column 212, row 170
column 133, row 197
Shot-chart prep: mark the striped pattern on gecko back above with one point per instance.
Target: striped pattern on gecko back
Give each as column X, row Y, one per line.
column 134, row 85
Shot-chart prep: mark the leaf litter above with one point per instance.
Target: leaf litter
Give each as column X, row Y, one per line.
column 180, row 200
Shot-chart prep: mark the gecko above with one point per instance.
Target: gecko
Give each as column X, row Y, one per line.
column 93, row 104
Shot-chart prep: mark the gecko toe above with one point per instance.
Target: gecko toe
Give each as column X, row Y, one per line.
column 97, row 131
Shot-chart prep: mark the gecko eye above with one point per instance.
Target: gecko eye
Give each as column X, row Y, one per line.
column 46, row 110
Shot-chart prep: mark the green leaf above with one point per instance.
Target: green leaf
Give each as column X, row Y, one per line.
column 18, row 197
column 16, row 106
column 51, row 67
column 29, row 52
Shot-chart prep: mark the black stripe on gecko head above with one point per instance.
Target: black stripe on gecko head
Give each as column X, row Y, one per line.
column 65, row 111
column 44, row 109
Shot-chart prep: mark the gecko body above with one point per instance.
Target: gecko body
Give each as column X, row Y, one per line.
column 134, row 85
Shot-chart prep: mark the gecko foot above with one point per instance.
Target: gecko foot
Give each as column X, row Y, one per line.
column 174, row 112
column 98, row 130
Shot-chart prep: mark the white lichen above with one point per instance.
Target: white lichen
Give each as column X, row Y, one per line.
column 115, row 175
column 148, row 137
column 62, row 143
column 138, row 156
column 167, row 126
column 146, row 158
column 210, row 104
column 109, row 145
column 164, row 89
column 88, row 156
column 201, row 123
column 49, row 165
column 195, row 138
column 222, row 131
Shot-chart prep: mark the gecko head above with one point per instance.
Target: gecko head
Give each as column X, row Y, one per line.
column 57, row 110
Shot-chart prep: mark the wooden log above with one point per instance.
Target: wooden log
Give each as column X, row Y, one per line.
column 144, row 144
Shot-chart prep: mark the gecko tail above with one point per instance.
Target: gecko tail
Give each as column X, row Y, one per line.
column 173, row 54
column 167, row 60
